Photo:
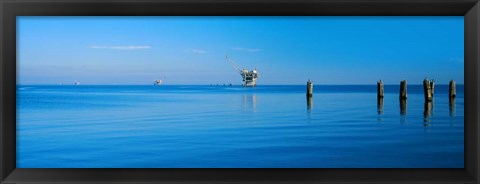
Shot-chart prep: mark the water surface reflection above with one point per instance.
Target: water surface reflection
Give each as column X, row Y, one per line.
column 403, row 111
column 250, row 103
column 427, row 113
column 379, row 109
column 451, row 104
column 309, row 108
column 452, row 110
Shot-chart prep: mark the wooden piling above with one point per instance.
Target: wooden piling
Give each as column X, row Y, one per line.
column 309, row 88
column 380, row 89
column 452, row 92
column 427, row 90
column 403, row 90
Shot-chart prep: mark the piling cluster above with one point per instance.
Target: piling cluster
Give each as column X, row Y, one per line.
column 429, row 90
column 428, row 87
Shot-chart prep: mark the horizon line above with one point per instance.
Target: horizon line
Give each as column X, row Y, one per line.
column 217, row 84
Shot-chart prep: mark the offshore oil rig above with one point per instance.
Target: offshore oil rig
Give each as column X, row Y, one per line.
column 249, row 77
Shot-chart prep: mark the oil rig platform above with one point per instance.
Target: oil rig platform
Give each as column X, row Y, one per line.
column 249, row 78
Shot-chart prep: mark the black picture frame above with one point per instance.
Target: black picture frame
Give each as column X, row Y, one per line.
column 9, row 9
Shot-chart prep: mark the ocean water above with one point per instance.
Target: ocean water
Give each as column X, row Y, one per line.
column 237, row 127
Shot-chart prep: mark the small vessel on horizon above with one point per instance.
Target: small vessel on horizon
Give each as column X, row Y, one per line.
column 157, row 83
column 76, row 83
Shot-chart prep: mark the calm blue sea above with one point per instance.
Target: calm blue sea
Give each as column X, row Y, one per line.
column 236, row 127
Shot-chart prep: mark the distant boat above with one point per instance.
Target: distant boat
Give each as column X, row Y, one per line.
column 157, row 83
column 76, row 83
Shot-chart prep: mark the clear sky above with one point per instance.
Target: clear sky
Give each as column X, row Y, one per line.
column 285, row 50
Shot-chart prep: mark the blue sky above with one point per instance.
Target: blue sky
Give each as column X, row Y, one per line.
column 285, row 50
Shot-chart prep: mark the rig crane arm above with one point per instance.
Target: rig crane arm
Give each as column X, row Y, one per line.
column 234, row 65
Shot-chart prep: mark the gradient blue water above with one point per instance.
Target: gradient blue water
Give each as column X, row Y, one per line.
column 235, row 127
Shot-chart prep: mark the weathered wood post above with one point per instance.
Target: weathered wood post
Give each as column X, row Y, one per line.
column 452, row 90
column 380, row 97
column 403, row 97
column 380, row 89
column 309, row 88
column 427, row 90
column 452, row 93
column 403, row 90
